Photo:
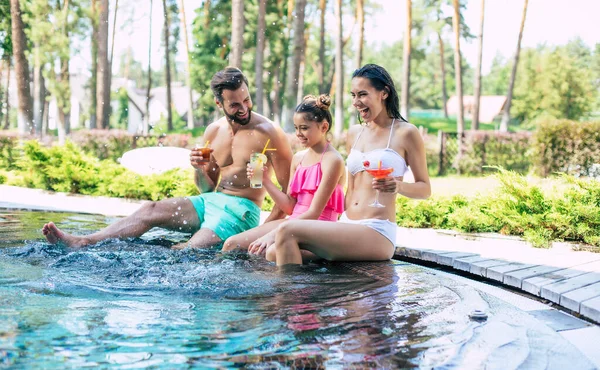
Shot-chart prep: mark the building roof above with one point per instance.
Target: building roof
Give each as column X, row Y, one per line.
column 489, row 106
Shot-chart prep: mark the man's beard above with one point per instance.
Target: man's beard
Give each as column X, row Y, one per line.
column 234, row 118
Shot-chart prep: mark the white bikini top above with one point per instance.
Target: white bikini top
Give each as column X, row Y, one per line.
column 357, row 160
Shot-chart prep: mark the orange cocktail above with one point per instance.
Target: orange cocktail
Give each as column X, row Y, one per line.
column 378, row 173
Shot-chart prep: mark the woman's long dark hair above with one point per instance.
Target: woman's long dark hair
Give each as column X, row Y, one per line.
column 382, row 81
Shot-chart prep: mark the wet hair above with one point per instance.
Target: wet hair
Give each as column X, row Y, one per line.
column 381, row 80
column 316, row 108
column 230, row 78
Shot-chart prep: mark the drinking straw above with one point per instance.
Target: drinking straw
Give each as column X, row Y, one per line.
column 379, row 165
column 206, row 144
column 266, row 145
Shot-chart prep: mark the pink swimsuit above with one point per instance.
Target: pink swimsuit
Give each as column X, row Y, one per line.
column 303, row 187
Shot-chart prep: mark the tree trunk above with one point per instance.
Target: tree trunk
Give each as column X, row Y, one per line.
column 112, row 48
column 19, row 43
column 513, row 75
column 475, row 121
column 321, row 61
column 64, row 102
column 188, row 78
column 286, row 53
column 404, row 105
column 103, row 88
column 275, row 94
column 339, row 72
column 260, row 55
column 94, row 78
column 146, row 127
column 360, row 15
column 45, row 115
column 6, row 97
column 38, row 91
column 443, row 68
column 302, row 67
column 167, row 25
column 237, row 33
column 460, row 124
column 294, row 67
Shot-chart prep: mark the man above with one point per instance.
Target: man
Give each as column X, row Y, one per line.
column 226, row 206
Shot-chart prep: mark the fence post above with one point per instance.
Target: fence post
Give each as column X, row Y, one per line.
column 440, row 142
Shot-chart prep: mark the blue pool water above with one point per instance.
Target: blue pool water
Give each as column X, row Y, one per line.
column 137, row 304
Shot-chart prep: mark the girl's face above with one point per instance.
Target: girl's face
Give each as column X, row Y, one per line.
column 309, row 132
column 369, row 102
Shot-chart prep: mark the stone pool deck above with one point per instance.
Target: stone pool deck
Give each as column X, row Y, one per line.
column 560, row 275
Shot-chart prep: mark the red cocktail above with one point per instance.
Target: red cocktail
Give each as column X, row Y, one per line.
column 378, row 173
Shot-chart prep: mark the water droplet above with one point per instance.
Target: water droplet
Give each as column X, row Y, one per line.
column 177, row 213
column 179, row 208
column 184, row 222
column 235, row 176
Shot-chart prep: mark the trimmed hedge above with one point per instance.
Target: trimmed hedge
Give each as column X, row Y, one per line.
column 489, row 148
column 567, row 146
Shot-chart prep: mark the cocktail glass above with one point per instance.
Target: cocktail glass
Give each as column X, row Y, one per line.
column 378, row 173
column 257, row 162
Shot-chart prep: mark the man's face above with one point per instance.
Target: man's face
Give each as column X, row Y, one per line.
column 237, row 105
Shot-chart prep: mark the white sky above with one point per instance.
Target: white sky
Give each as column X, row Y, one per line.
column 553, row 22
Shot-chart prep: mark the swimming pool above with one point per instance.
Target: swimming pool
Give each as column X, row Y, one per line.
column 135, row 304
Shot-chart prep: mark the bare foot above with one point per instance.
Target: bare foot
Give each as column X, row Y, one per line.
column 54, row 235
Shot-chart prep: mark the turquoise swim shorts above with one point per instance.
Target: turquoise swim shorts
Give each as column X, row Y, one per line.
column 226, row 215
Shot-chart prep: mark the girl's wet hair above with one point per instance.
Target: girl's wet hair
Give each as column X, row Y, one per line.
column 381, row 80
column 316, row 108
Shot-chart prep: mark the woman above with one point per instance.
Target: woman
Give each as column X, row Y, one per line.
column 385, row 140
column 315, row 191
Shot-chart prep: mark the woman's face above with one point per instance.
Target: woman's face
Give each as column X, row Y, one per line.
column 309, row 132
column 369, row 102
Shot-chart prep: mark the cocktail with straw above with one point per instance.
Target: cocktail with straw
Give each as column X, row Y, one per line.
column 205, row 151
column 257, row 163
column 378, row 173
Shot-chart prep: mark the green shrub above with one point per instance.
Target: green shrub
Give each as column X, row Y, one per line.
column 568, row 212
column 111, row 144
column 566, row 146
column 489, row 148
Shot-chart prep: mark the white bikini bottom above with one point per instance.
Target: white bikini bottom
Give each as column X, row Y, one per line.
column 384, row 227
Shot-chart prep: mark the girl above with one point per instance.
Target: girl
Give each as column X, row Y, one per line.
column 315, row 191
column 386, row 140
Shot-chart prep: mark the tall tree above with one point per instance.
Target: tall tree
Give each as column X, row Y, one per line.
column 404, row 107
column 513, row 75
column 94, row 14
column 294, row 66
column 188, row 79
column 237, row 33
column 321, row 61
column 103, row 80
column 260, row 55
column 63, row 98
column 19, row 45
column 41, row 37
column 167, row 26
column 360, row 16
column 443, row 71
column 460, row 124
column 477, row 97
column 146, row 127
column 339, row 72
